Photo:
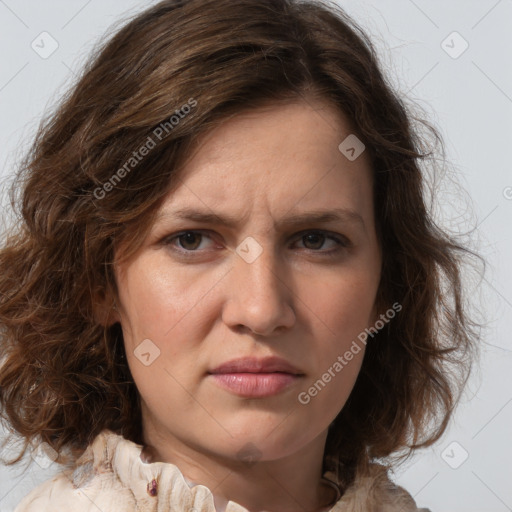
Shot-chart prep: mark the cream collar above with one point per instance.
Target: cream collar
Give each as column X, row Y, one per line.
column 110, row 456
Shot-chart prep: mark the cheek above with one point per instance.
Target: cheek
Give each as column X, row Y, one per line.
column 345, row 305
column 164, row 314
column 325, row 394
column 157, row 299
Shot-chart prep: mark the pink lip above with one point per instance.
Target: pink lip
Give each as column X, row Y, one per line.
column 256, row 378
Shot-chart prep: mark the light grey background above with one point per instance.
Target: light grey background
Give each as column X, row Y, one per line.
column 469, row 98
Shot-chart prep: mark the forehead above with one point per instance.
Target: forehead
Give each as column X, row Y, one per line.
column 273, row 160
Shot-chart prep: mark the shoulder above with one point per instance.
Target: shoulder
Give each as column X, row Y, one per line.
column 60, row 495
column 374, row 491
column 83, row 488
column 53, row 495
column 111, row 476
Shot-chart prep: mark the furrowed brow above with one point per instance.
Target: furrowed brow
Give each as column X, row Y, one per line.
column 322, row 216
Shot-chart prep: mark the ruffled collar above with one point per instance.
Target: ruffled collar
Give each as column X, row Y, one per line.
column 110, row 453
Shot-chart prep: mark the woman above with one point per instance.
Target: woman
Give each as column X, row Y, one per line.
column 225, row 291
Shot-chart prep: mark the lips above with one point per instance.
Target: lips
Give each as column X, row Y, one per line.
column 253, row 365
column 256, row 378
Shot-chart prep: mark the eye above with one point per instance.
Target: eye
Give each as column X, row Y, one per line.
column 317, row 239
column 189, row 242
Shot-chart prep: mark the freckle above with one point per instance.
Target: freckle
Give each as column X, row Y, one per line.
column 152, row 488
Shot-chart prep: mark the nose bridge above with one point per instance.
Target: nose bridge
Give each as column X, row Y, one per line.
column 259, row 297
column 259, row 267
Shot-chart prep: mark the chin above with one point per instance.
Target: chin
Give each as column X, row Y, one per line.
column 266, row 439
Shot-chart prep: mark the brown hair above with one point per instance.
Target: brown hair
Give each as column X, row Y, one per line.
column 64, row 376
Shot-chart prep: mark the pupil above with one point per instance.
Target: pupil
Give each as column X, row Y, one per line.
column 188, row 236
column 313, row 236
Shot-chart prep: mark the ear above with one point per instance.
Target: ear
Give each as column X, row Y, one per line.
column 105, row 309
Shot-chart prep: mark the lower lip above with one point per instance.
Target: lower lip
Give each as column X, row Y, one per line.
column 255, row 385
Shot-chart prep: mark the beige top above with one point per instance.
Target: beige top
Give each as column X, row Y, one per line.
column 110, row 476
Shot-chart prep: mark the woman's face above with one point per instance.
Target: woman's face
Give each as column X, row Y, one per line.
column 268, row 282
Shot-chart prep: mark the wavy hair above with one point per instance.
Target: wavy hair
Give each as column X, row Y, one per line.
column 64, row 375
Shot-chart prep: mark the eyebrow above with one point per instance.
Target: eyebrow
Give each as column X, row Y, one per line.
column 316, row 216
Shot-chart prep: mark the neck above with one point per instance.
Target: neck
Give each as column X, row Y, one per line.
column 290, row 484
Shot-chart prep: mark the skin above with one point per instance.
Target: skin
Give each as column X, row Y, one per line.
column 293, row 301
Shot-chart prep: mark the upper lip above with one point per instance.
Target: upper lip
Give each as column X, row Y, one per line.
column 255, row 365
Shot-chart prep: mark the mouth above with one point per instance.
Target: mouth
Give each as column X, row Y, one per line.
column 256, row 378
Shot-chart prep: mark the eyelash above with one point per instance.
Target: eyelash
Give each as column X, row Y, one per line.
column 343, row 242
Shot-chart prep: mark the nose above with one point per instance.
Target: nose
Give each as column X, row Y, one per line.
column 258, row 298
